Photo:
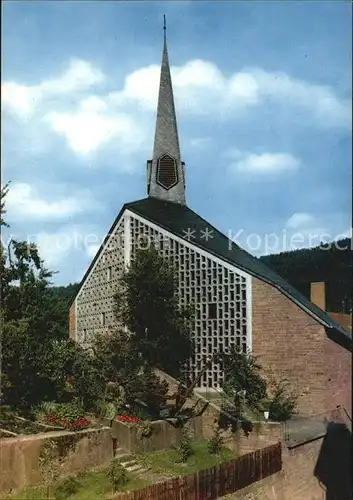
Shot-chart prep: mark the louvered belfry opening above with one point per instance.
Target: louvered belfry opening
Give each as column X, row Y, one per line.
column 167, row 172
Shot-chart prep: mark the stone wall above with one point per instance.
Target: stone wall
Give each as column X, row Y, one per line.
column 164, row 435
column 249, row 437
column 80, row 451
column 290, row 345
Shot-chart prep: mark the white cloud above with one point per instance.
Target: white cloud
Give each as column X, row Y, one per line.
column 79, row 75
column 90, row 122
column 300, row 219
column 200, row 87
column 91, row 250
column 70, row 241
column 86, row 131
column 23, row 100
column 23, row 202
column 264, row 163
column 19, row 99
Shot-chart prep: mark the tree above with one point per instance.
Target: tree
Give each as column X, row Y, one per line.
column 242, row 379
column 34, row 362
column 148, row 305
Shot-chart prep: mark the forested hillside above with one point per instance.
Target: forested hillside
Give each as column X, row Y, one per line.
column 61, row 297
column 331, row 263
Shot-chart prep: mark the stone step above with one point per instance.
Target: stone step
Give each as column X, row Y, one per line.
column 135, row 468
column 128, row 463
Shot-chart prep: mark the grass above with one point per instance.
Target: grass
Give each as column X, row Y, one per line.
column 167, row 462
column 93, row 486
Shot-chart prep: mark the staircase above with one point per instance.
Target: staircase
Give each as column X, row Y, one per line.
column 134, row 467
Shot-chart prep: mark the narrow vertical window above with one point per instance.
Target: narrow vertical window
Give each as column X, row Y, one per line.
column 84, row 334
column 109, row 273
column 103, row 318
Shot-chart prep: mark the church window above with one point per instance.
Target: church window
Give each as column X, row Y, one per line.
column 109, row 273
column 103, row 318
column 167, row 172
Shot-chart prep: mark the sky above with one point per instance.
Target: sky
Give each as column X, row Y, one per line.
column 263, row 99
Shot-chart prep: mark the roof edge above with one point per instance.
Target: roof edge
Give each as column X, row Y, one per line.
column 130, row 206
column 99, row 251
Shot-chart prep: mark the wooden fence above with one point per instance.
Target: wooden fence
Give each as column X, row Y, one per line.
column 210, row 484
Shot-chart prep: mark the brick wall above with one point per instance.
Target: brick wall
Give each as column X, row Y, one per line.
column 289, row 345
column 72, row 322
column 338, row 383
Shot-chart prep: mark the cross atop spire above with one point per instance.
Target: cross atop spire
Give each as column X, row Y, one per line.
column 166, row 172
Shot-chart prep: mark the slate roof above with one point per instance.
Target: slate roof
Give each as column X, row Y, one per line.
column 177, row 219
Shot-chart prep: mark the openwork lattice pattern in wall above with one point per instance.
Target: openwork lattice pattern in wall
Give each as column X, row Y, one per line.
column 95, row 302
column 219, row 294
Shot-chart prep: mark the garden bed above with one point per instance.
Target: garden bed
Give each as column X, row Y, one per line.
column 12, row 425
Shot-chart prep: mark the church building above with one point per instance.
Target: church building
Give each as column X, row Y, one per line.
column 239, row 301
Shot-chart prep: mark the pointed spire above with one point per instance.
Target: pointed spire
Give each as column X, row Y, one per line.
column 166, row 138
column 166, row 171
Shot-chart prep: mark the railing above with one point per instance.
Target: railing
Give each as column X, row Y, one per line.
column 299, row 430
column 220, row 399
column 216, row 482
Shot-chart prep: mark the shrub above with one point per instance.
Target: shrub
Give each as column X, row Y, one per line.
column 145, row 430
column 117, row 475
column 70, row 411
column 153, row 391
column 110, row 410
column 282, row 405
column 185, row 449
column 66, row 487
column 216, row 443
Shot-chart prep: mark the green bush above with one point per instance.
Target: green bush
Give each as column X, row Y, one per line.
column 110, row 410
column 282, row 404
column 216, row 443
column 117, row 475
column 70, row 411
column 66, row 487
column 185, row 449
column 145, row 430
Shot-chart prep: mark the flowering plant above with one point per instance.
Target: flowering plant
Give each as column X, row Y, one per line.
column 129, row 419
column 75, row 425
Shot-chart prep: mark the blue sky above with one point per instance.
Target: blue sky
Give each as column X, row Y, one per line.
column 263, row 99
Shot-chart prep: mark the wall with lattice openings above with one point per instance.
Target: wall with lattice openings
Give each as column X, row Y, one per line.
column 95, row 300
column 220, row 293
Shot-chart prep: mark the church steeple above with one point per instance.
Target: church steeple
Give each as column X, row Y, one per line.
column 166, row 170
